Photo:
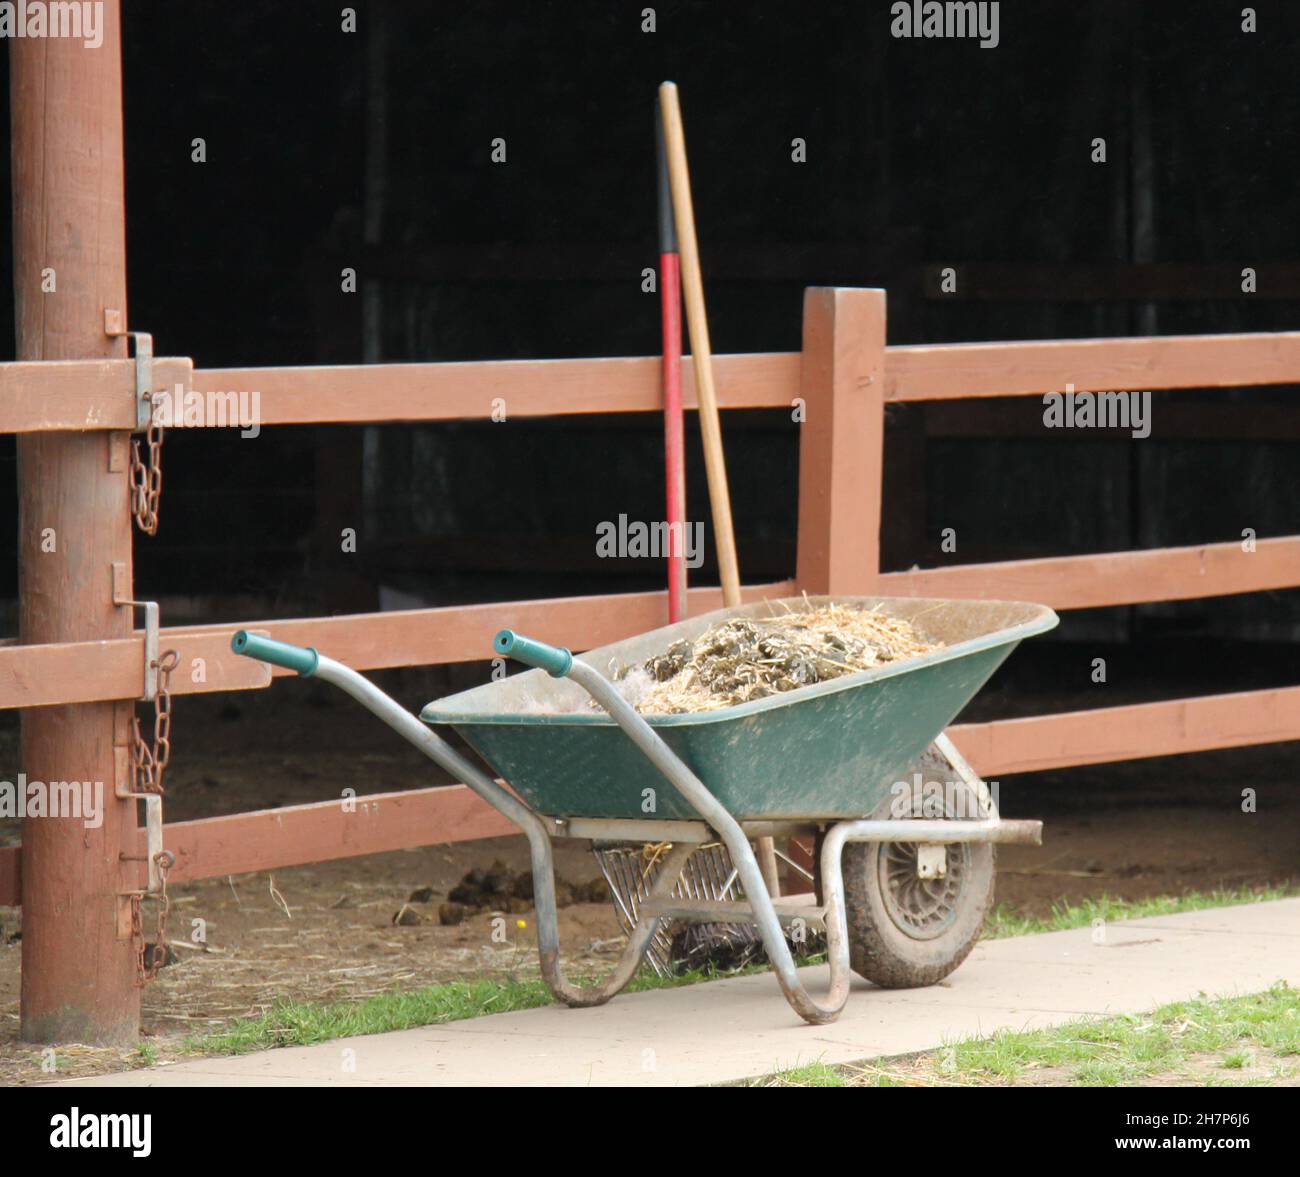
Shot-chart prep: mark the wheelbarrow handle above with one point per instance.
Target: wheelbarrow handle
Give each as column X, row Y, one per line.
column 555, row 660
column 303, row 659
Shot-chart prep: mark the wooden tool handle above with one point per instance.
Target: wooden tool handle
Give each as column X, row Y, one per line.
column 715, row 463
column 701, row 353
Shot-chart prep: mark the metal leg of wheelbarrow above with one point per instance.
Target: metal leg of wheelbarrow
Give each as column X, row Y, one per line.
column 742, row 858
column 761, row 910
column 539, row 839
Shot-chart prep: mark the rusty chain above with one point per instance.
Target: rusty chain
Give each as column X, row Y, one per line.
column 146, row 480
column 149, row 762
column 147, row 970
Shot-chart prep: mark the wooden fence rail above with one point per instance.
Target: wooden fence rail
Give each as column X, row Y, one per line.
column 76, row 395
column 837, row 386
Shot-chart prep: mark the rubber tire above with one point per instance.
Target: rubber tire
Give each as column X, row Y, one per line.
column 888, row 955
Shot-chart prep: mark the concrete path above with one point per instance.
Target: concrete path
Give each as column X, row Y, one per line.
column 734, row 1029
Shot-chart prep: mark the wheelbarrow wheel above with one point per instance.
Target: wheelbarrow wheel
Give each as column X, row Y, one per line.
column 906, row 932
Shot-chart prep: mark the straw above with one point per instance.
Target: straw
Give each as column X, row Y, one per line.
column 745, row 658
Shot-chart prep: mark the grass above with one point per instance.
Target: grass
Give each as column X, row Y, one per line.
column 146, row 1055
column 1003, row 921
column 1251, row 1040
column 811, row 1075
column 292, row 1023
column 298, row 1023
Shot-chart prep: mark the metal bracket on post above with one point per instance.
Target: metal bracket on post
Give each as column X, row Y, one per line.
column 143, row 354
column 153, row 824
column 143, row 378
column 150, row 958
column 143, row 763
column 157, row 859
column 156, row 666
column 151, row 627
column 146, row 480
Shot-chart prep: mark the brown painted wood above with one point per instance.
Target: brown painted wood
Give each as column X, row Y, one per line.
column 80, row 672
column 467, row 391
column 1114, row 578
column 270, row 839
column 78, row 969
column 78, row 395
column 36, row 398
column 11, row 876
column 841, row 440
column 86, row 672
column 961, row 370
column 1130, row 733
column 463, row 633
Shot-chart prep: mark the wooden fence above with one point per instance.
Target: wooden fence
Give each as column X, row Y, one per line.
column 72, row 401
column 844, row 377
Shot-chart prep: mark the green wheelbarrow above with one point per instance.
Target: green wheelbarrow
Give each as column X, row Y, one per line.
column 904, row 868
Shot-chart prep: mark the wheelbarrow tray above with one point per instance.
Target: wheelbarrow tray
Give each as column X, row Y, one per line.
column 827, row 751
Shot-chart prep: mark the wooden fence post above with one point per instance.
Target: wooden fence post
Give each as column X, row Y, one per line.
column 841, row 444
column 78, row 964
column 841, row 448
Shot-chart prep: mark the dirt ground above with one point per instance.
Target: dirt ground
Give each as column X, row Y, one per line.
column 325, row 932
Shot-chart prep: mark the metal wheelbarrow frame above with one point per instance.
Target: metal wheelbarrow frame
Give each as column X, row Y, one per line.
column 715, row 823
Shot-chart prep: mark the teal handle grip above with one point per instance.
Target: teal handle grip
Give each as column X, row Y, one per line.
column 555, row 660
column 303, row 659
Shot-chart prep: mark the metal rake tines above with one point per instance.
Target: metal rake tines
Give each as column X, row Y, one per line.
column 631, row 871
